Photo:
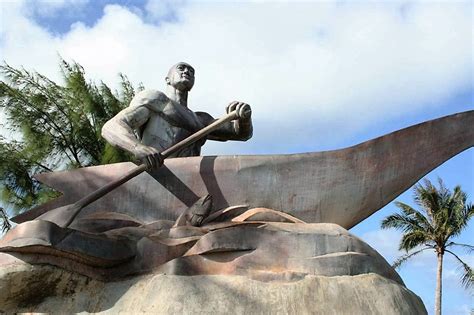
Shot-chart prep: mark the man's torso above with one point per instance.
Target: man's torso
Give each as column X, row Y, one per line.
column 169, row 123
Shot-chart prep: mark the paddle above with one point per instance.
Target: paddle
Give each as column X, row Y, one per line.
column 69, row 212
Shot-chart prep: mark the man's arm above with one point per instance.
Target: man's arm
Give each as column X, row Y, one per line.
column 120, row 130
column 239, row 129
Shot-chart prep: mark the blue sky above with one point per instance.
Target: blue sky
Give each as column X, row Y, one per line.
column 319, row 75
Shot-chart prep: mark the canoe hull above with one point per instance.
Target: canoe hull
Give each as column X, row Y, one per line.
column 341, row 186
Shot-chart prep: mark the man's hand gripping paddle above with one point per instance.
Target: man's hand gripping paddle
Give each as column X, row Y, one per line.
column 64, row 215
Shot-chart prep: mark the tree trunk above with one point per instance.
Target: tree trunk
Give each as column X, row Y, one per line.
column 439, row 285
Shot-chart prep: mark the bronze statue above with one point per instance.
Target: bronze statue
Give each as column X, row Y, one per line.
column 197, row 213
column 270, row 217
column 155, row 121
column 155, row 127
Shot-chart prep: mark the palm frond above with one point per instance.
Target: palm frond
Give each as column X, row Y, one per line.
column 400, row 222
column 460, row 220
column 402, row 259
column 413, row 239
column 467, row 276
column 424, row 197
column 416, row 216
column 466, row 247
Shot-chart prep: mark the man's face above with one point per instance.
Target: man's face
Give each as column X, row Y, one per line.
column 181, row 76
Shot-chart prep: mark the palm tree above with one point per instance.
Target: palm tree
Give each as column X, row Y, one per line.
column 442, row 216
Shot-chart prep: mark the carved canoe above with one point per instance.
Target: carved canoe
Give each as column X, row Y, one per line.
column 342, row 186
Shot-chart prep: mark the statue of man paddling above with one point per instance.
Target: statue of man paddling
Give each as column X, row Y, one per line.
column 158, row 125
column 155, row 121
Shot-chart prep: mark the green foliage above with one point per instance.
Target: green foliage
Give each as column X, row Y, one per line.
column 53, row 127
column 443, row 215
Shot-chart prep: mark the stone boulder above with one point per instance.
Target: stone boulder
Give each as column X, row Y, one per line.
column 243, row 267
column 48, row 289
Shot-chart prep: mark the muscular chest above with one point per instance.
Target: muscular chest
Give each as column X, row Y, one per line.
column 170, row 126
column 180, row 117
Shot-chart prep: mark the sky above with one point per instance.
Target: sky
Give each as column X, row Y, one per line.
column 319, row 75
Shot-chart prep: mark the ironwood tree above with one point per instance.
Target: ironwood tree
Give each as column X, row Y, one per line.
column 48, row 126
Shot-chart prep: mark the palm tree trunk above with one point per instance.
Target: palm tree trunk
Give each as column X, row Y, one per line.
column 439, row 285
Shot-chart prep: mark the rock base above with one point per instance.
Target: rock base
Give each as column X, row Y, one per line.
column 47, row 289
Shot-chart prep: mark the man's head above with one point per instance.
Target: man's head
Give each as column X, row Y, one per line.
column 181, row 76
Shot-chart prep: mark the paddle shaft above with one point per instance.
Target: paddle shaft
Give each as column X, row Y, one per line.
column 83, row 202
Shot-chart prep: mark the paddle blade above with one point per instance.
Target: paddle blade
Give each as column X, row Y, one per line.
column 61, row 216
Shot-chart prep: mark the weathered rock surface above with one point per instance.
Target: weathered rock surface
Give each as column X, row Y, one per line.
column 258, row 250
column 245, row 266
column 48, row 289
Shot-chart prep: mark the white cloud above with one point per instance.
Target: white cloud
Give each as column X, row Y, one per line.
column 159, row 10
column 463, row 309
column 386, row 242
column 308, row 68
